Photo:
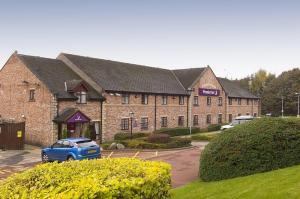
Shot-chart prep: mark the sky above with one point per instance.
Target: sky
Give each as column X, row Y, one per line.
column 234, row 37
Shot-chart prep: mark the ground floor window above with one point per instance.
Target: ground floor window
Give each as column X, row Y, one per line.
column 144, row 123
column 195, row 120
column 208, row 119
column 230, row 118
column 219, row 118
column 239, row 114
column 164, row 122
column 255, row 114
column 125, row 124
column 180, row 120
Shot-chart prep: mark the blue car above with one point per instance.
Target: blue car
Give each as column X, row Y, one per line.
column 71, row 149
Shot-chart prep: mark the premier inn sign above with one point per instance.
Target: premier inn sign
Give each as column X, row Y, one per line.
column 209, row 92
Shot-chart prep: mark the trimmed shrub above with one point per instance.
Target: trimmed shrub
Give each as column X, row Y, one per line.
column 126, row 136
column 178, row 131
column 260, row 145
column 214, row 127
column 204, row 136
column 159, row 138
column 104, row 178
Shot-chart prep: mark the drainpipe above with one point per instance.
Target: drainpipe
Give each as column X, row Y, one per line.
column 155, row 112
column 101, row 112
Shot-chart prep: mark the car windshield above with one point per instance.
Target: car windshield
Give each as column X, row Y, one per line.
column 234, row 122
column 86, row 143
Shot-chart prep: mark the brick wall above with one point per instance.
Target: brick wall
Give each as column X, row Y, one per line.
column 208, row 80
column 114, row 111
column 14, row 98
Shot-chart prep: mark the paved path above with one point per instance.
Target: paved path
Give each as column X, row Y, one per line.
column 185, row 163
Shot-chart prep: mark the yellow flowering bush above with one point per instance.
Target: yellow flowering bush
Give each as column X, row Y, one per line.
column 102, row 178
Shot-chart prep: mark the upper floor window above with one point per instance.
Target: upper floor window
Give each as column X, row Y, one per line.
column 180, row 120
column 196, row 101
column 164, row 122
column 230, row 101
column 125, row 98
column 144, row 123
column 255, row 101
column 164, row 100
column 81, row 97
column 248, row 101
column 31, row 95
column 220, row 101
column 208, row 101
column 144, row 99
column 181, row 100
column 125, row 124
column 239, row 101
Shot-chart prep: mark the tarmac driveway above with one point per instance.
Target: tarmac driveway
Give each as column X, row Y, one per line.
column 185, row 162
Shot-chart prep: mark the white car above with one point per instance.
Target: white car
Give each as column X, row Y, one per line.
column 237, row 120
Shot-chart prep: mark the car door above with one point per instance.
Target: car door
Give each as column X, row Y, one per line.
column 53, row 152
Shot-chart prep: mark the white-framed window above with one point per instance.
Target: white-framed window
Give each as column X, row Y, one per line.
column 239, row 101
column 181, row 100
column 220, row 119
column 180, row 120
column 208, row 101
column 164, row 100
column 125, row 124
column 208, row 119
column 164, row 122
column 196, row 101
column 31, row 95
column 125, row 98
column 144, row 123
column 195, row 120
column 144, row 99
column 220, row 101
column 81, row 97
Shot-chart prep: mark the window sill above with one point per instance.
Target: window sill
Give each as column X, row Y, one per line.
column 33, row 100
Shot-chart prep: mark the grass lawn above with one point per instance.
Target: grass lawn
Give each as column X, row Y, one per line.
column 279, row 184
column 207, row 136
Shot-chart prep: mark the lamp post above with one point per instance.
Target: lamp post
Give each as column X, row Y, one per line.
column 131, row 114
column 298, row 114
column 189, row 91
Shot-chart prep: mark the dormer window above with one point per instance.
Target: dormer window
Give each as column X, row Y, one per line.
column 81, row 97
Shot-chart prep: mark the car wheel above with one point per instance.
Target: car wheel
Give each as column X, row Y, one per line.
column 70, row 158
column 45, row 158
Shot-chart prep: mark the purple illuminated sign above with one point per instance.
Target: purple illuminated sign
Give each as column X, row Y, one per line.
column 78, row 117
column 209, row 92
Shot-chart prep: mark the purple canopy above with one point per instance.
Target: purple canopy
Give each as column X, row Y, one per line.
column 78, row 117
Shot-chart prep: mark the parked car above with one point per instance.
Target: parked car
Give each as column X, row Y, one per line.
column 71, row 149
column 237, row 120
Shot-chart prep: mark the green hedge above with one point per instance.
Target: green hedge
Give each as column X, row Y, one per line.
column 260, row 145
column 104, row 178
column 204, row 136
column 126, row 136
column 214, row 127
column 178, row 131
column 143, row 144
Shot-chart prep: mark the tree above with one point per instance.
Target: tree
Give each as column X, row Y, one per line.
column 285, row 85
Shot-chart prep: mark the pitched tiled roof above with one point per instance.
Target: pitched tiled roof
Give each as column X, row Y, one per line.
column 234, row 90
column 54, row 73
column 188, row 76
column 118, row 76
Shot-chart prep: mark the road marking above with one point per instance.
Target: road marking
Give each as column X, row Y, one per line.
column 136, row 154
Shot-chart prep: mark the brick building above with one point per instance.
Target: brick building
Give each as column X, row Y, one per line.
column 72, row 94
